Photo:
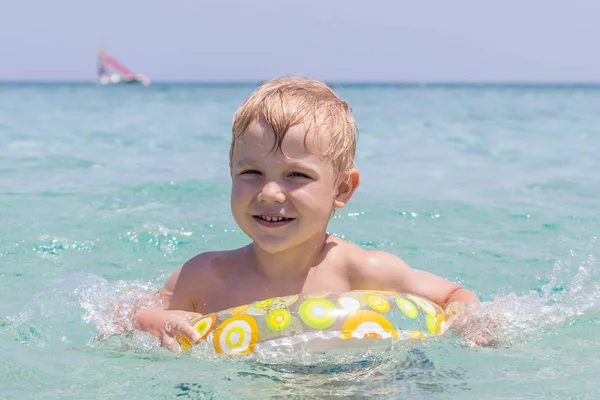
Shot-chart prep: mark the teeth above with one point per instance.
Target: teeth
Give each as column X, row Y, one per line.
column 271, row 219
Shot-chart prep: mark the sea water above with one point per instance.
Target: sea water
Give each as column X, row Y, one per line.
column 107, row 188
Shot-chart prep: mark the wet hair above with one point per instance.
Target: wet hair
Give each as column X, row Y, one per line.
column 292, row 100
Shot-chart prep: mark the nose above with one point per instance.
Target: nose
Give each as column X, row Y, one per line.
column 271, row 192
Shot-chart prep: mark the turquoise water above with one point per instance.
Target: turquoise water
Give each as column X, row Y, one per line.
column 103, row 189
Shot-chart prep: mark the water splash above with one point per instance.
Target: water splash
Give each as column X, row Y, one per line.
column 112, row 311
column 572, row 293
column 82, row 309
column 79, row 310
column 52, row 317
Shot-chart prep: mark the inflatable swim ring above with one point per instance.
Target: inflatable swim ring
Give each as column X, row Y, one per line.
column 311, row 321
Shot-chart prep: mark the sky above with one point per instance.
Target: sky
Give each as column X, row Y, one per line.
column 368, row 40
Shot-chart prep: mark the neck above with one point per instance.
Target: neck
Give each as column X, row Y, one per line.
column 290, row 264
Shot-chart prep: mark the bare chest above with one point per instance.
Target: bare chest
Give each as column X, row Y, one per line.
column 239, row 289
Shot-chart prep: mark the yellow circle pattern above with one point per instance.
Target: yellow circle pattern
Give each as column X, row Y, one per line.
column 263, row 303
column 367, row 324
column 240, row 309
column 361, row 315
column 205, row 325
column 279, row 319
column 236, row 335
column 378, row 303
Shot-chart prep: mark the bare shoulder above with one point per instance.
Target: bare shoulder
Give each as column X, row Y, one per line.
column 362, row 261
column 380, row 270
column 198, row 275
column 210, row 267
column 203, row 262
column 372, row 269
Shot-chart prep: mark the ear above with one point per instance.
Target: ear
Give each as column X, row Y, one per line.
column 346, row 188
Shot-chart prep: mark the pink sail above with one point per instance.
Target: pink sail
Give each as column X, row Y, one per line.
column 110, row 71
column 115, row 64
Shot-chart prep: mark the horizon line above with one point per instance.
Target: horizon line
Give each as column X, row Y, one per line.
column 328, row 81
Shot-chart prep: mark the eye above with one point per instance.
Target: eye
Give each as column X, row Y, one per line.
column 250, row 172
column 299, row 175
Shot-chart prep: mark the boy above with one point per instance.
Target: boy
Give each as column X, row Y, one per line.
column 292, row 165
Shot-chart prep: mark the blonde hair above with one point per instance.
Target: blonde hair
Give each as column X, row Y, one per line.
column 292, row 100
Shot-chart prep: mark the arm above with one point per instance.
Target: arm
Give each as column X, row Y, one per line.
column 172, row 318
column 165, row 314
column 387, row 272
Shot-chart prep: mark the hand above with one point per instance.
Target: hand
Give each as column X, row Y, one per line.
column 168, row 326
column 480, row 329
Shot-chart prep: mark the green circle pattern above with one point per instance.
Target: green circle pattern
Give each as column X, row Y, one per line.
column 308, row 307
column 432, row 325
column 407, row 307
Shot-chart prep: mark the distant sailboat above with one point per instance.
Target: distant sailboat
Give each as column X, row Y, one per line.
column 111, row 72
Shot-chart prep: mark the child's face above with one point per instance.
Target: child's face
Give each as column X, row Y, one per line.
column 281, row 201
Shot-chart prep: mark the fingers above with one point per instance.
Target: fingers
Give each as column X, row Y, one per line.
column 170, row 343
column 182, row 327
column 179, row 334
column 479, row 330
column 188, row 331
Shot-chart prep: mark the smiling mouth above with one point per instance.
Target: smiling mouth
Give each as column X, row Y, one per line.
column 271, row 220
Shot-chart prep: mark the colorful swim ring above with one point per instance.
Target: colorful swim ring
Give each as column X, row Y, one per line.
column 311, row 321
